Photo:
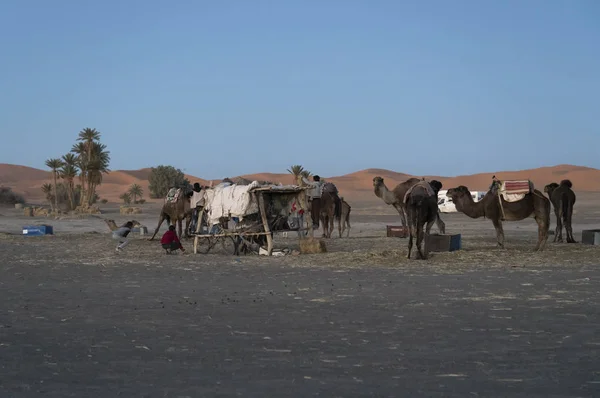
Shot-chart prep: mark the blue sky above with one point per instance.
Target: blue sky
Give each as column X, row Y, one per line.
column 423, row 87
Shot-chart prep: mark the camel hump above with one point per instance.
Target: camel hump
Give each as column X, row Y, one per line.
column 422, row 185
column 566, row 183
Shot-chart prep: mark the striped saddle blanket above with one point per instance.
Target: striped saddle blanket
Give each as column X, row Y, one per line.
column 424, row 185
column 513, row 191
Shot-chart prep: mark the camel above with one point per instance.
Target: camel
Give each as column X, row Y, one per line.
column 533, row 204
column 562, row 198
column 344, row 218
column 328, row 212
column 396, row 198
column 176, row 212
column 421, row 208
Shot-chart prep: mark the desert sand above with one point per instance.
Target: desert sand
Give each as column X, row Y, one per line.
column 79, row 319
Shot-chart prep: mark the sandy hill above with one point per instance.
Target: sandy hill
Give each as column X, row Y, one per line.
column 356, row 186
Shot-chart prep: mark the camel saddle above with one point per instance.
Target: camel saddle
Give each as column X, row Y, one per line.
column 515, row 190
column 173, row 195
column 421, row 184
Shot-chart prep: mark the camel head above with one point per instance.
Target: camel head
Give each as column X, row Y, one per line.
column 566, row 183
column 436, row 185
column 377, row 182
column 459, row 193
column 550, row 187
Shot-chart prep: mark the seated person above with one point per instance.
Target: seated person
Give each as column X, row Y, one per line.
column 170, row 242
column 495, row 184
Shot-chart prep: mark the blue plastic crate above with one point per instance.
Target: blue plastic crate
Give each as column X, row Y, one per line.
column 38, row 230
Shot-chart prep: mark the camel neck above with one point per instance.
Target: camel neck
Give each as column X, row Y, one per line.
column 384, row 193
column 471, row 208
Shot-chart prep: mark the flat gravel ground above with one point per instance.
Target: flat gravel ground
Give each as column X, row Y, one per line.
column 257, row 328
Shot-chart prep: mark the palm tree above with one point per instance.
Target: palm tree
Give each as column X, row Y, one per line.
column 306, row 174
column 68, row 172
column 126, row 197
column 93, row 160
column 55, row 165
column 296, row 170
column 96, row 167
column 135, row 190
column 47, row 189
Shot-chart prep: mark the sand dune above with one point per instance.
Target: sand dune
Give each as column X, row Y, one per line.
column 357, row 185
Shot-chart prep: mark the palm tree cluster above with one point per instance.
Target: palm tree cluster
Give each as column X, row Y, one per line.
column 88, row 160
column 131, row 196
column 298, row 172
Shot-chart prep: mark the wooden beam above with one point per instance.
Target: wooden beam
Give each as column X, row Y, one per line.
column 263, row 215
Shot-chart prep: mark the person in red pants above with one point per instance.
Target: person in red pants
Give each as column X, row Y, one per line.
column 170, row 242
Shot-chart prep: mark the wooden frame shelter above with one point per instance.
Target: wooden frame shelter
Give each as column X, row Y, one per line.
column 264, row 196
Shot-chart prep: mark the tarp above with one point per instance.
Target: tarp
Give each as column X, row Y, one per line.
column 226, row 200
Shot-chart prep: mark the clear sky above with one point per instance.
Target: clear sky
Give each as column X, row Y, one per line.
column 222, row 88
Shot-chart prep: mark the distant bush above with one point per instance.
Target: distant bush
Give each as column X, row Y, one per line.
column 141, row 201
column 126, row 198
column 8, row 197
column 162, row 178
column 104, row 201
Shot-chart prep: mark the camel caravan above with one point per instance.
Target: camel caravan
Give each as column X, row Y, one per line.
column 245, row 215
column 416, row 202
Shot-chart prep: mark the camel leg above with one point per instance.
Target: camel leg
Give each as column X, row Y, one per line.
column 411, row 231
column 331, row 224
column 499, row 232
column 402, row 211
column 558, row 228
column 188, row 221
column 160, row 221
column 419, row 231
column 542, row 233
column 410, row 241
column 440, row 224
column 349, row 227
column 427, row 232
column 568, row 225
column 558, row 211
column 340, row 224
column 179, row 226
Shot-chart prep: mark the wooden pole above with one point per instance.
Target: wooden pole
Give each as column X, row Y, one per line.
column 263, row 215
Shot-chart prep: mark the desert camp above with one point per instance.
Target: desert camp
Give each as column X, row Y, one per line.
column 300, row 199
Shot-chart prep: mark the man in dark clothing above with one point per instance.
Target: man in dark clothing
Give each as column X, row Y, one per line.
column 170, row 242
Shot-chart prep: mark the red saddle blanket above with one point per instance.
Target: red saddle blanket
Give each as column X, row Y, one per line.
column 516, row 187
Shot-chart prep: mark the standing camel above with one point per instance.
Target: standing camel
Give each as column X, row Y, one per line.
column 328, row 212
column 562, row 198
column 396, row 198
column 489, row 206
column 421, row 208
column 176, row 212
column 344, row 218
